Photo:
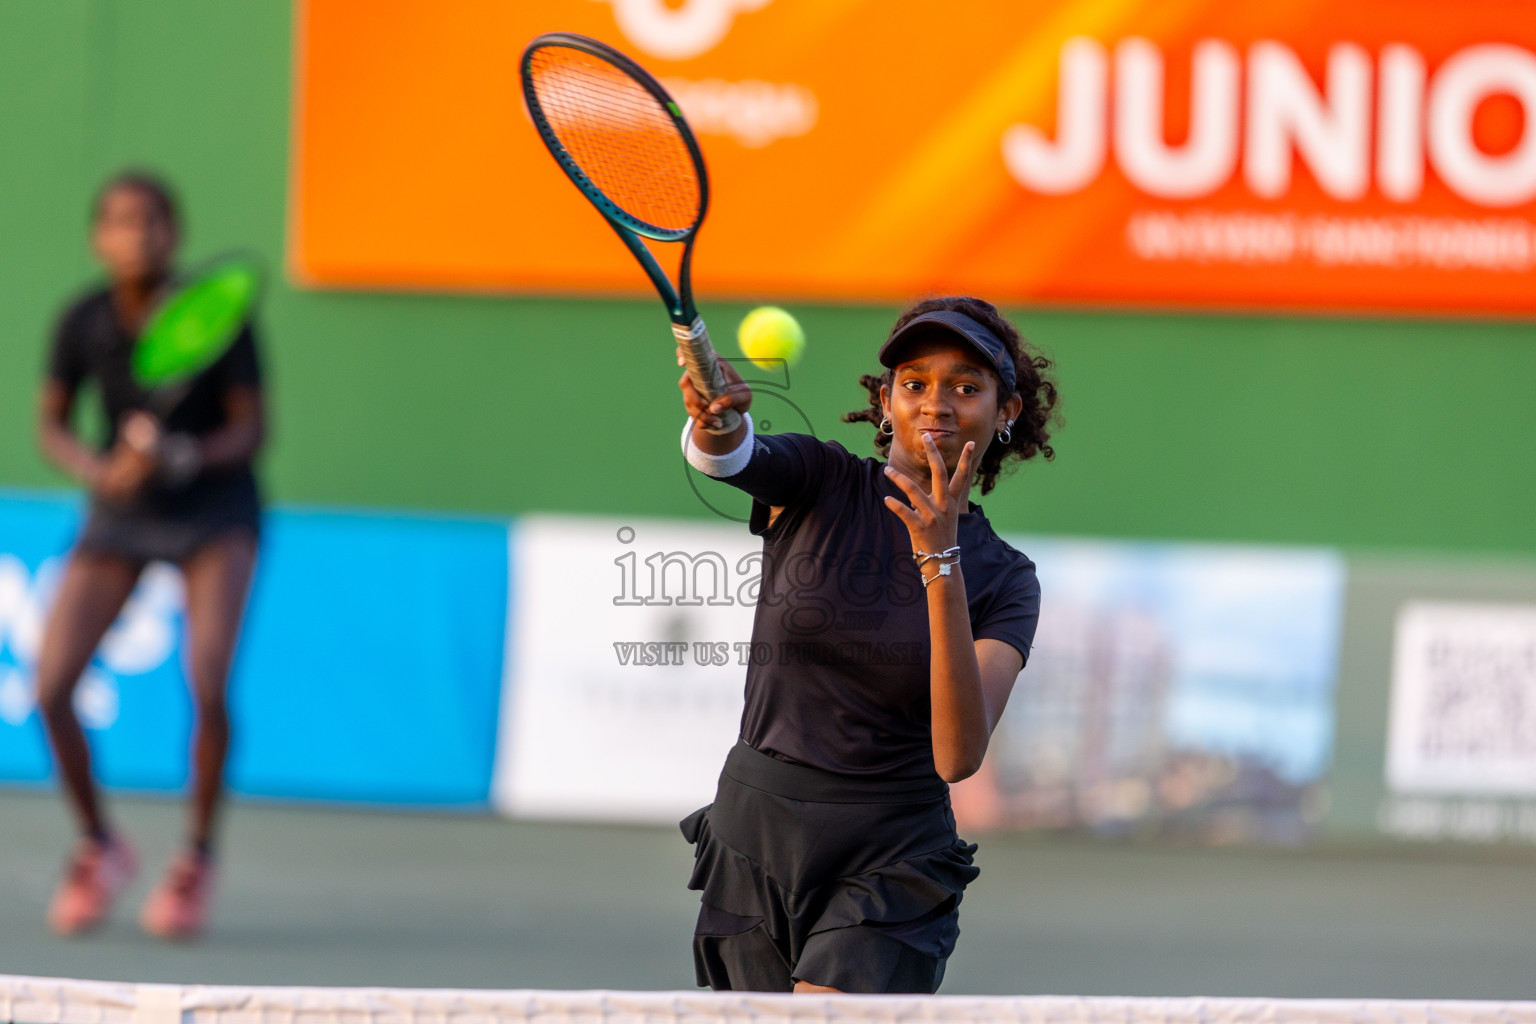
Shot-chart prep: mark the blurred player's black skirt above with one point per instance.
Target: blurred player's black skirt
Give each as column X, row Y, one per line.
column 170, row 525
column 831, row 879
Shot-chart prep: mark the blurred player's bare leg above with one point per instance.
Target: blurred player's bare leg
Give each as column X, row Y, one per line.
column 218, row 579
column 91, row 593
column 805, row 988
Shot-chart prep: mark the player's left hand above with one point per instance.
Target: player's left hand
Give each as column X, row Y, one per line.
column 933, row 518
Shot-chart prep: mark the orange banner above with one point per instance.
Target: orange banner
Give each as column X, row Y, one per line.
column 1377, row 155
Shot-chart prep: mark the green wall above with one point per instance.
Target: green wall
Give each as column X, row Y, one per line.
column 1363, row 433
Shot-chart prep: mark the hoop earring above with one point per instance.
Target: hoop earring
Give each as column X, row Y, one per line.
column 1005, row 435
column 885, row 426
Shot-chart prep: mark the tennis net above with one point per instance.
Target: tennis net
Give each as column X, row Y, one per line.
column 26, row 1000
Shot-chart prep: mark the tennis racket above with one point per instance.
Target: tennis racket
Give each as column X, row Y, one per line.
column 195, row 325
column 622, row 141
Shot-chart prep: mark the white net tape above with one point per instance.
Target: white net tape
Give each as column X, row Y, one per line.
column 62, row 1001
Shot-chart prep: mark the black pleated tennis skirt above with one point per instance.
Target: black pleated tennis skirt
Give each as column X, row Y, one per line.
column 831, row 879
column 171, row 526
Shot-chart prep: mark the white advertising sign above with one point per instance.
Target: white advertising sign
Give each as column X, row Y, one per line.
column 1463, row 716
column 626, row 659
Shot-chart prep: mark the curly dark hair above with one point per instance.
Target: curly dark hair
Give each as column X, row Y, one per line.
column 1031, row 432
column 146, row 183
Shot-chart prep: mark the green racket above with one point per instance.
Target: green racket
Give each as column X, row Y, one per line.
column 193, row 327
column 622, row 141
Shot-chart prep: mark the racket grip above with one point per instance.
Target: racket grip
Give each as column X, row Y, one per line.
column 704, row 369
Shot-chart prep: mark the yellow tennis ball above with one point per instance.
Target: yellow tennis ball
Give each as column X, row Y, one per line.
column 770, row 337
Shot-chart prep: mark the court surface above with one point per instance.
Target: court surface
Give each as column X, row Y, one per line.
column 320, row 896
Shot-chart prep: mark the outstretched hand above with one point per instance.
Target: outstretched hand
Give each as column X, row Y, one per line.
column 933, row 518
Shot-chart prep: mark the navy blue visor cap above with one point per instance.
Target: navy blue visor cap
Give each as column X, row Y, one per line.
column 963, row 328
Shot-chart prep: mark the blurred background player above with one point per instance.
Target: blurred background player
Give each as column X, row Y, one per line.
column 181, row 491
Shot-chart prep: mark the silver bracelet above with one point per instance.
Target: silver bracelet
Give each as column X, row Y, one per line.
column 923, row 556
column 944, row 568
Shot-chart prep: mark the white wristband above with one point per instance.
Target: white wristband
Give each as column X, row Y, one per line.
column 719, row 466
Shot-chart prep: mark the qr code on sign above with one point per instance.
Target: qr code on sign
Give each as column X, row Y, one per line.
column 1464, row 699
column 1480, row 698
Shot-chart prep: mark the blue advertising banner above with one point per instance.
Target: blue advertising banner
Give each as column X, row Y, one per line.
column 369, row 670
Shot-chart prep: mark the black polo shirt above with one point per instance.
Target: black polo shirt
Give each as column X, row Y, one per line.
column 90, row 344
column 839, row 673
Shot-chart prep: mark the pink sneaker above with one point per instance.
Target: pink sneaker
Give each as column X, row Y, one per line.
column 177, row 908
column 95, row 876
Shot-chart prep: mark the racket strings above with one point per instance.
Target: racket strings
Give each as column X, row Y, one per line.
column 620, row 136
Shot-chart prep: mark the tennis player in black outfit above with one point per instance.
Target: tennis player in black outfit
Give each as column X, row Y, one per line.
column 180, row 491
column 891, row 624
